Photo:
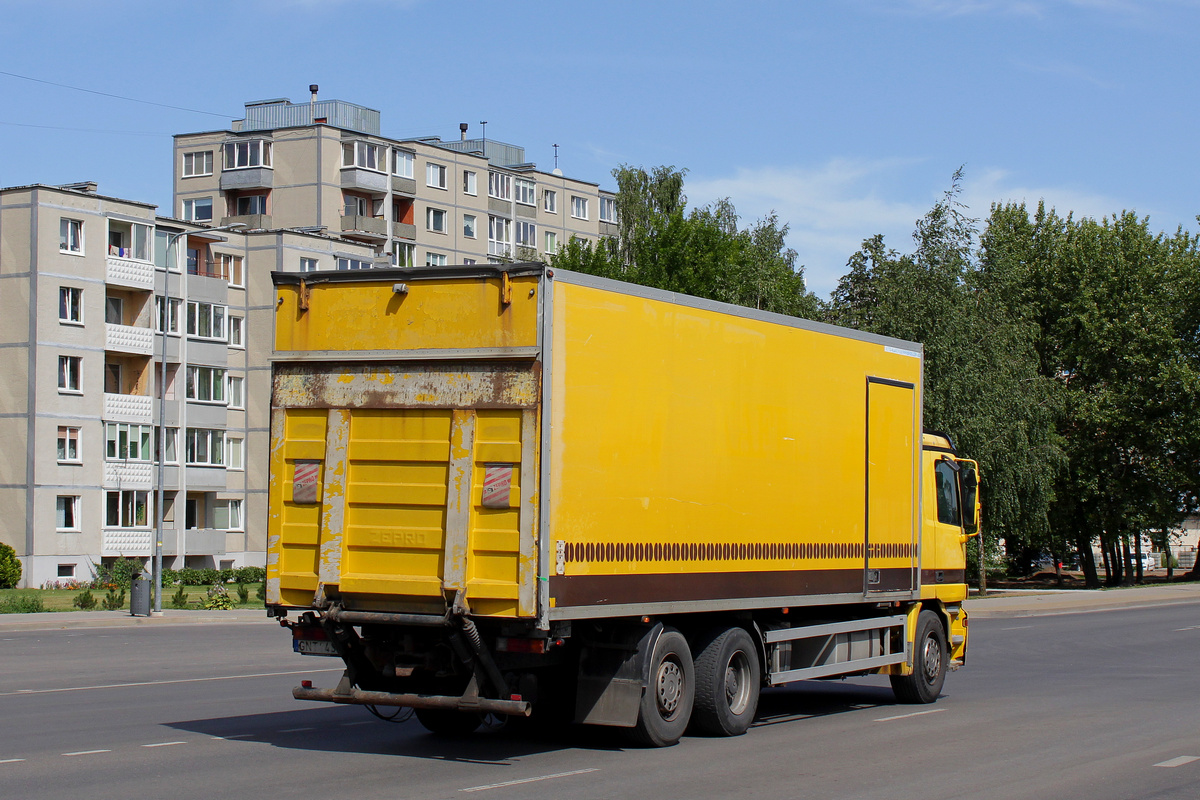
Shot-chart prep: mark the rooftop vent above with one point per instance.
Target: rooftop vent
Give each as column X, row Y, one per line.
column 87, row 186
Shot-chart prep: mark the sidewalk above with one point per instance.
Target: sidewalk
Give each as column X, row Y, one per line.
column 66, row 620
column 1031, row 603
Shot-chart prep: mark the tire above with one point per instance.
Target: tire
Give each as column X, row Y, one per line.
column 666, row 707
column 929, row 663
column 448, row 723
column 728, row 680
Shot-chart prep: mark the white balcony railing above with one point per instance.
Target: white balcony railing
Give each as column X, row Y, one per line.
column 128, row 272
column 128, row 408
column 127, row 542
column 129, row 339
column 129, row 474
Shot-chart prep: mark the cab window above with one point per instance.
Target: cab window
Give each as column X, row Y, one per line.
column 947, row 493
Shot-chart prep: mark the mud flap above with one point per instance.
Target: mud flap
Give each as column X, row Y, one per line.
column 612, row 675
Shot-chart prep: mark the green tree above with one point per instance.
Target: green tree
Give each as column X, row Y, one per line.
column 10, row 567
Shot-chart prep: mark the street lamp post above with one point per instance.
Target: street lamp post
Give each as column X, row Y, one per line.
column 162, row 407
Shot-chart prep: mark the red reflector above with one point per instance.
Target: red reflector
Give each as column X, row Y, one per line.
column 966, row 621
column 306, row 684
column 505, row 645
column 516, row 698
column 313, row 634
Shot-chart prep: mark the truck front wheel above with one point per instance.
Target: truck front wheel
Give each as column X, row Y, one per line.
column 728, row 678
column 666, row 706
column 930, row 658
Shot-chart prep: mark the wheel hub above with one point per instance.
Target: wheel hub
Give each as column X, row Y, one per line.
column 932, row 659
column 669, row 685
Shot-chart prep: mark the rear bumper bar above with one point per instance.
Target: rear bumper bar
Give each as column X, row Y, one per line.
column 516, row 708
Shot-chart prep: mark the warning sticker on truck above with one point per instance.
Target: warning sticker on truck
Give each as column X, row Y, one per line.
column 497, row 484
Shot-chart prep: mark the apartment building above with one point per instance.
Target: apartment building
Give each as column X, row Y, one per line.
column 324, row 165
column 99, row 294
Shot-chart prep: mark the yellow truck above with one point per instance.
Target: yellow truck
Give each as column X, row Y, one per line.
column 518, row 490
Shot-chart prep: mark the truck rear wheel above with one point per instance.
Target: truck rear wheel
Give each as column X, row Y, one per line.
column 728, row 679
column 448, row 723
column 667, row 701
column 930, row 658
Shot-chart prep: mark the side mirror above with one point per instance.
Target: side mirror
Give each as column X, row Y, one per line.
column 969, row 478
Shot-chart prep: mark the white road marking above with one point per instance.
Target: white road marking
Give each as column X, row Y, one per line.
column 363, row 722
column 530, row 780
column 167, row 682
column 86, row 752
column 236, row 736
column 1178, row 762
column 293, row 730
column 913, row 714
column 1018, row 628
column 1190, row 628
column 162, row 744
column 10, row 760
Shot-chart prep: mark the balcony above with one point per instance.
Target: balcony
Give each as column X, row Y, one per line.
column 404, row 230
column 206, row 268
column 364, row 180
column 365, row 227
column 251, row 221
column 249, row 178
column 128, row 339
column 406, row 186
column 140, row 542
column 129, row 474
column 128, row 408
column 128, row 272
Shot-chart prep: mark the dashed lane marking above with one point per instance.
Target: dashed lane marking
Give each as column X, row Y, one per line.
column 167, row 682
column 293, row 730
column 1018, row 628
column 163, row 744
column 236, row 736
column 913, row 714
column 1189, row 628
column 1178, row 761
column 10, row 760
column 86, row 752
column 530, row 780
column 361, row 722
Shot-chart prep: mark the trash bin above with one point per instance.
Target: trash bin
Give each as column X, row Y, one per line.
column 139, row 596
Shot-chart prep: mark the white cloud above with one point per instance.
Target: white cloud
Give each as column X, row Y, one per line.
column 831, row 208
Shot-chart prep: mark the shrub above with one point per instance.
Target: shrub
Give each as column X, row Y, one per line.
column 118, row 573
column 199, row 577
column 10, row 567
column 261, row 594
column 170, row 577
column 225, row 576
column 114, row 601
column 180, row 598
column 243, row 594
column 22, row 604
column 218, row 599
column 85, row 600
column 250, row 574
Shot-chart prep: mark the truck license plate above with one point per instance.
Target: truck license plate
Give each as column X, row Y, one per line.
column 313, row 647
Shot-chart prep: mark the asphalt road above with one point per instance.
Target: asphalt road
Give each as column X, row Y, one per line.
column 1085, row 705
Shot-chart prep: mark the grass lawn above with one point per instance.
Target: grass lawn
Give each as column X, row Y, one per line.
column 14, row 600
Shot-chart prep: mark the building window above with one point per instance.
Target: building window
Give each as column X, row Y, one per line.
column 551, row 242
column 248, row 153
column 235, row 453
column 172, row 305
column 250, row 204
column 66, row 570
column 309, row 265
column 199, row 163
column 363, row 155
column 67, row 513
column 469, row 183
column 128, row 509
column 404, row 254
column 526, row 192
column 68, row 445
column 435, row 175
column 499, row 185
column 499, row 236
column 235, row 332
column 526, row 234
column 231, row 268
column 114, row 311
column 550, row 201
column 129, row 240
column 205, row 320
column 227, row 514
column 205, row 384
column 352, row 263
column 402, row 163
column 357, row 206
column 70, row 236
column 69, row 370
column 468, row 262
column 170, row 456
column 579, row 207
column 435, row 259
column 198, row 210
column 236, row 396
column 70, row 304
column 608, row 209
column 435, row 220
column 126, row 442
column 469, row 226
column 205, row 447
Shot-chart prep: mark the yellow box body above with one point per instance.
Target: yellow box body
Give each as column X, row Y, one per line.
column 550, row 445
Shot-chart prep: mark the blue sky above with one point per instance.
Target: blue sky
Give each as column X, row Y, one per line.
column 846, row 118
